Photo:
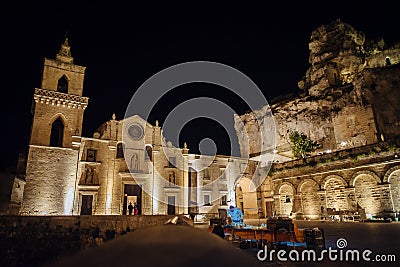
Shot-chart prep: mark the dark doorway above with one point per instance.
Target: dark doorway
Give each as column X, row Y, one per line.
column 62, row 85
column 86, row 207
column 171, row 205
column 132, row 190
column 57, row 133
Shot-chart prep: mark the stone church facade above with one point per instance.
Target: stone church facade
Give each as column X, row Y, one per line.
column 68, row 174
column 349, row 106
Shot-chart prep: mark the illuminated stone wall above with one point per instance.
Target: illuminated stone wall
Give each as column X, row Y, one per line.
column 394, row 180
column 336, row 197
column 50, row 104
column 45, row 114
column 50, row 181
column 340, row 181
column 100, row 184
column 286, row 198
column 53, row 71
column 367, row 193
column 95, row 167
column 310, row 201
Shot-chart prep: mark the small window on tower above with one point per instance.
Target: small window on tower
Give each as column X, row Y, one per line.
column 62, row 85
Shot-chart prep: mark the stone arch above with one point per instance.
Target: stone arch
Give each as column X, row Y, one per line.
column 305, row 181
column 58, row 126
column 248, row 202
column 288, row 184
column 389, row 173
column 310, row 200
column 286, row 198
column 335, row 194
column 330, row 177
column 57, row 133
column 63, row 84
column 367, row 192
column 56, row 116
column 392, row 176
column 355, row 176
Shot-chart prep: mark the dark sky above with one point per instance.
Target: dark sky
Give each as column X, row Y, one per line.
column 123, row 46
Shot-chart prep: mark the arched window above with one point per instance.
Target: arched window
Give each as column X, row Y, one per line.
column 62, row 85
column 148, row 153
column 57, row 133
column 120, row 150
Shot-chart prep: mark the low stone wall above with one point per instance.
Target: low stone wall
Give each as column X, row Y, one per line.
column 36, row 240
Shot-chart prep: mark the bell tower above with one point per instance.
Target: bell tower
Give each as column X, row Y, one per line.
column 58, row 104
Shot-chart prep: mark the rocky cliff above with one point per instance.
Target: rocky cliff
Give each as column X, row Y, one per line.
column 351, row 95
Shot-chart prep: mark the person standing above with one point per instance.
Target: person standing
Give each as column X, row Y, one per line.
column 130, row 208
column 135, row 209
column 236, row 215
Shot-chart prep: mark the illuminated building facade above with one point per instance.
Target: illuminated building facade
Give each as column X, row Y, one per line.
column 68, row 174
column 349, row 105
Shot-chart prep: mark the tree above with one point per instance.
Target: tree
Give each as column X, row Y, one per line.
column 301, row 144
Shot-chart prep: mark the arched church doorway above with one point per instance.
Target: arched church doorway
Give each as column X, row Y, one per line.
column 132, row 193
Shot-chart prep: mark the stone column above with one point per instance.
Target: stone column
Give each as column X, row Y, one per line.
column 322, row 196
column 385, row 197
column 277, row 205
column 297, row 207
column 352, row 203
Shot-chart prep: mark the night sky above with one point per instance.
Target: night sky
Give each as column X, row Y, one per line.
column 124, row 46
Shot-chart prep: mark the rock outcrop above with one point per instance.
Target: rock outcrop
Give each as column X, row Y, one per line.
column 351, row 95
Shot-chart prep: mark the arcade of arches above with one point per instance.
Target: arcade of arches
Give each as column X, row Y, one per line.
column 372, row 190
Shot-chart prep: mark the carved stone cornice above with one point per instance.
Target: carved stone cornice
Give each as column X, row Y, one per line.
column 60, row 99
